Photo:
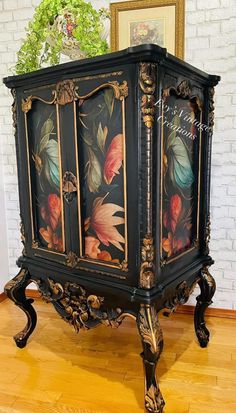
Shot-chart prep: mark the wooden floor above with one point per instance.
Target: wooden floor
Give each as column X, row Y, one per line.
column 100, row 371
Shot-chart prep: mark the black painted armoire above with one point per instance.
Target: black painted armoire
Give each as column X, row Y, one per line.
column 114, row 157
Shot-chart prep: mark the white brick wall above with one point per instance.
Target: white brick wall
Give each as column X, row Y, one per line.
column 211, row 46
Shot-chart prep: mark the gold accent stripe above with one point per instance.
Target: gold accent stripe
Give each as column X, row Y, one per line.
column 60, row 174
column 125, row 179
column 29, row 178
column 78, row 178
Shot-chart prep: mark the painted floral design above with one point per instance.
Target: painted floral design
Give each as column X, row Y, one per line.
column 180, row 171
column 46, row 189
column 114, row 159
column 104, row 221
column 102, row 144
column 51, row 215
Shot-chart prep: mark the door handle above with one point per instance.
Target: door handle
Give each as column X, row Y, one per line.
column 69, row 186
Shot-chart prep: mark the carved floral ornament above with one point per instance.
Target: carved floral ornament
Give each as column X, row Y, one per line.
column 77, row 307
column 67, row 92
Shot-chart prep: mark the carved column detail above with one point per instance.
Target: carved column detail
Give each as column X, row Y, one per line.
column 147, row 83
column 211, row 107
column 152, row 342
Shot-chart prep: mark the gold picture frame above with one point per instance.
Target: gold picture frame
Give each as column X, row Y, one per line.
column 148, row 21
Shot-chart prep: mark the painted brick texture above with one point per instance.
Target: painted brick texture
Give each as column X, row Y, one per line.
column 210, row 39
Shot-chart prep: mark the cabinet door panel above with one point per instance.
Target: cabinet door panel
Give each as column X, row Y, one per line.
column 180, row 177
column 45, row 170
column 101, row 152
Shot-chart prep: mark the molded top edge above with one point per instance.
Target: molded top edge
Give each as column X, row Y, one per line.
column 146, row 52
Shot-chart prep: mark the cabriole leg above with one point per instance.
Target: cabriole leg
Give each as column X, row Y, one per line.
column 207, row 286
column 15, row 290
column 152, row 342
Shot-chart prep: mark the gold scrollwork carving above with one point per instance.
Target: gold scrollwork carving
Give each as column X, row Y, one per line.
column 26, row 104
column 181, row 296
column 66, row 92
column 77, row 308
column 150, row 328
column 154, row 400
column 182, row 90
column 147, row 82
column 72, row 259
column 147, row 277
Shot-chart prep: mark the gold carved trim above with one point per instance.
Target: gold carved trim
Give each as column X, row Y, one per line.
column 74, row 261
column 150, row 328
column 66, row 92
column 78, row 308
column 181, row 296
column 115, row 8
column 147, row 268
column 147, row 84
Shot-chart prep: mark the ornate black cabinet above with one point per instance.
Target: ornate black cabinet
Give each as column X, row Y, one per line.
column 114, row 174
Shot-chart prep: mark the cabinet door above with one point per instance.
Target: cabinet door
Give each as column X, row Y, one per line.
column 101, row 163
column 104, row 226
column 44, row 211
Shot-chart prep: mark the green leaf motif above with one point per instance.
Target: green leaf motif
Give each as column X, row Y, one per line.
column 93, row 172
column 45, row 133
column 51, row 162
column 109, row 99
column 180, row 169
column 101, row 137
column 172, row 135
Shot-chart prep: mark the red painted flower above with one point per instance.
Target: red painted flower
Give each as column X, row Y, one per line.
column 54, row 242
column 114, row 159
column 175, row 211
column 51, row 214
column 172, row 217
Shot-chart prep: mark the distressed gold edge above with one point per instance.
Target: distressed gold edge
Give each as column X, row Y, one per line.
column 48, row 251
column 78, row 79
column 61, row 177
column 169, row 260
column 98, row 88
column 199, row 179
column 78, row 178
column 115, row 8
column 125, row 179
column 29, row 177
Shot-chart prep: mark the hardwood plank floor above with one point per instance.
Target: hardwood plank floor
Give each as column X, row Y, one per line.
column 100, row 371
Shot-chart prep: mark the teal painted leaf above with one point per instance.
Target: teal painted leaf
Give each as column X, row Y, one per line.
column 51, row 163
column 180, row 168
column 45, row 133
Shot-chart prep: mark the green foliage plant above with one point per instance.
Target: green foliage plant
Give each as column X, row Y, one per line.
column 36, row 50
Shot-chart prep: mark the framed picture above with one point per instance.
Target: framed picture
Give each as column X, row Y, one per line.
column 148, row 21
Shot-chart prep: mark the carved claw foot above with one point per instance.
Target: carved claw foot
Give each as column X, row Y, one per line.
column 152, row 342
column 207, row 286
column 15, row 290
